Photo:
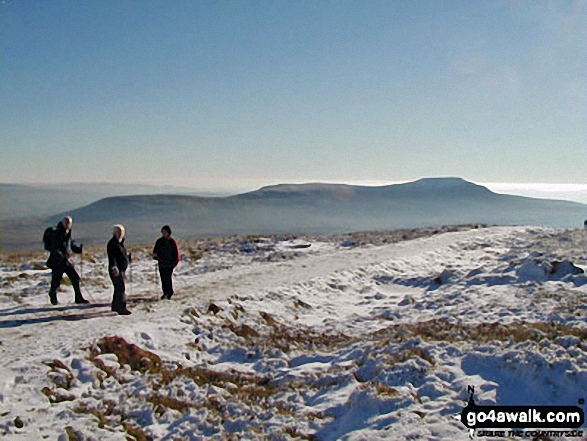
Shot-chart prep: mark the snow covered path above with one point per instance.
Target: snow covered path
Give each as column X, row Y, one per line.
column 331, row 341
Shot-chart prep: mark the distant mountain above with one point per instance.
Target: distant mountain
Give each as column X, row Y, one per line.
column 26, row 201
column 423, row 188
column 311, row 208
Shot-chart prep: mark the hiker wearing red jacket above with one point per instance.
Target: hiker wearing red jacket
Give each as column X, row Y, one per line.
column 166, row 252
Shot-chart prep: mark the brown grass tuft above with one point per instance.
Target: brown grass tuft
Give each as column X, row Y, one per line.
column 286, row 339
column 57, row 396
column 269, row 319
column 127, row 353
column 104, row 413
column 164, row 402
column 214, row 309
column 387, row 391
column 72, row 434
column 441, row 330
column 59, row 374
column 295, row 433
column 243, row 330
column 194, row 253
column 135, row 433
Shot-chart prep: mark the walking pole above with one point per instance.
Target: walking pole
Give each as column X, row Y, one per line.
column 130, row 271
column 81, row 265
column 585, row 235
column 156, row 267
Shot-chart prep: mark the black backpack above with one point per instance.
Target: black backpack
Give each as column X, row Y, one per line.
column 50, row 239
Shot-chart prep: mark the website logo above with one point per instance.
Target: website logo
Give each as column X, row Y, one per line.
column 518, row 418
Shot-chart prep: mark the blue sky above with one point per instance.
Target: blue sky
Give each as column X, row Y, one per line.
column 233, row 94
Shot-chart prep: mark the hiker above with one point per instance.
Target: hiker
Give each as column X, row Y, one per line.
column 166, row 253
column 118, row 261
column 58, row 242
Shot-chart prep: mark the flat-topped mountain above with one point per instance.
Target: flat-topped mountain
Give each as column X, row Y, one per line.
column 310, row 208
column 425, row 188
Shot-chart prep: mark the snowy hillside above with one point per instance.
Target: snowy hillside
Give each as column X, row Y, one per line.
column 372, row 336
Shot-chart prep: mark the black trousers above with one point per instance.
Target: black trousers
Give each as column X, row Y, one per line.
column 119, row 296
column 57, row 277
column 166, row 280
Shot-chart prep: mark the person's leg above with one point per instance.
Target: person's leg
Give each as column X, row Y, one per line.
column 169, row 276
column 123, row 294
column 75, row 280
column 56, row 276
column 116, row 295
column 119, row 297
column 166, row 282
column 162, row 277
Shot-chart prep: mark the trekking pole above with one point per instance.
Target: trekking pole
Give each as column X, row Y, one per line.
column 130, row 271
column 156, row 274
column 81, row 264
column 81, row 270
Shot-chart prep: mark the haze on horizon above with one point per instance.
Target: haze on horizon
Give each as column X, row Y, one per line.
column 568, row 192
column 237, row 95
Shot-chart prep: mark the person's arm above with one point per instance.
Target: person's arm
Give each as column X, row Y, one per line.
column 60, row 250
column 156, row 250
column 175, row 252
column 112, row 264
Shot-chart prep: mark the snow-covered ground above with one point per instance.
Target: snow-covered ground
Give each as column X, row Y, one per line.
column 360, row 337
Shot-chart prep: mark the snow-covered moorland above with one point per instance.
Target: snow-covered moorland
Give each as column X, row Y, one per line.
column 372, row 336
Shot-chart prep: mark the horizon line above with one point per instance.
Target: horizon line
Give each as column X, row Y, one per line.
column 270, row 182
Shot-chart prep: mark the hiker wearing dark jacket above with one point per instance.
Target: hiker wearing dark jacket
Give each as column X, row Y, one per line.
column 60, row 260
column 118, row 261
column 166, row 252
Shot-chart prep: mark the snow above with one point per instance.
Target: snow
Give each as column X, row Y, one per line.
column 349, row 338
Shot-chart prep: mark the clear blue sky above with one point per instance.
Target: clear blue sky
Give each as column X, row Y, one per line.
column 221, row 94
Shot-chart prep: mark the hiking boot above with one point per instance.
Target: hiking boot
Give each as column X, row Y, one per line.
column 124, row 312
column 81, row 300
column 164, row 297
column 53, row 299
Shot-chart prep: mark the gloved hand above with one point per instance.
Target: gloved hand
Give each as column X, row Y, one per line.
column 76, row 248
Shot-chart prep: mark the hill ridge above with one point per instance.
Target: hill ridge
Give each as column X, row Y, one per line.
column 306, row 208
